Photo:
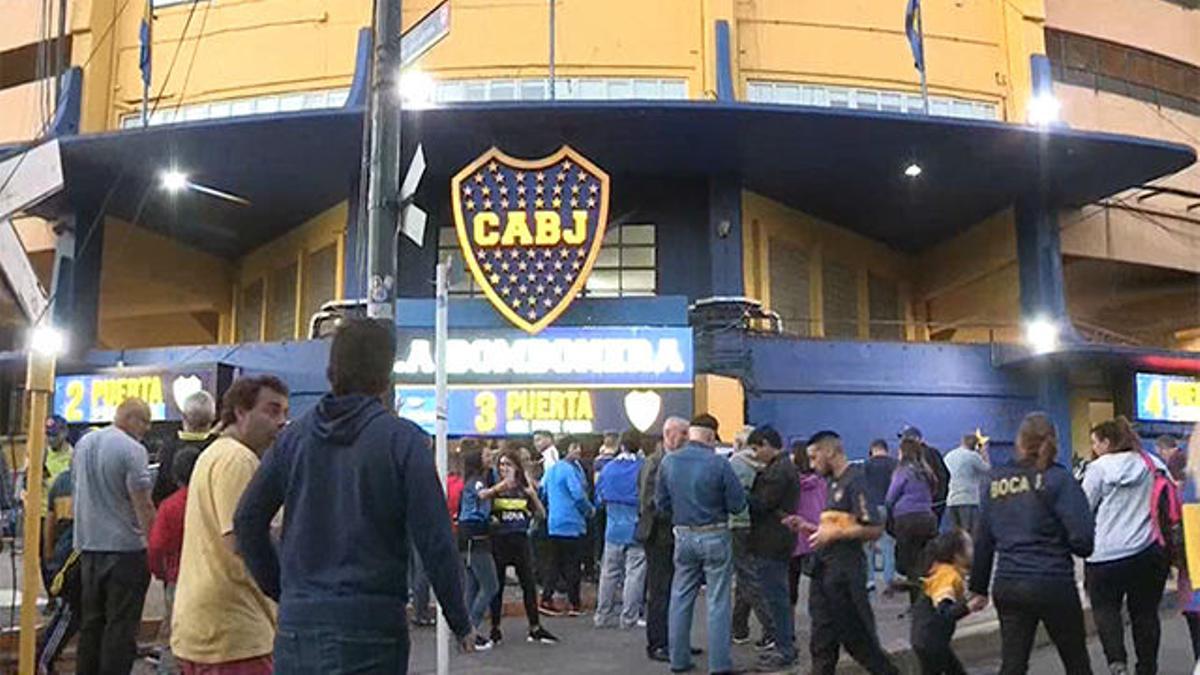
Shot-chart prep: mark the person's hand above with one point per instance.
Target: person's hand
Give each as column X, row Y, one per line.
column 798, row 524
column 466, row 644
column 977, row 603
column 824, row 536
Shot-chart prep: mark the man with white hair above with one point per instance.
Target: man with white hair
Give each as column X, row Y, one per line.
column 701, row 491
column 199, row 412
column 654, row 532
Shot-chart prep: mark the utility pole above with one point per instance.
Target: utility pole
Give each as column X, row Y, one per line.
column 924, row 63
column 383, row 179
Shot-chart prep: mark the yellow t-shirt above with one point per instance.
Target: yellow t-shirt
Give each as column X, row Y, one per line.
column 945, row 582
column 220, row 613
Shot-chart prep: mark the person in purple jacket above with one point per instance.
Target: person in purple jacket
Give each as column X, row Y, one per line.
column 814, row 493
column 909, row 505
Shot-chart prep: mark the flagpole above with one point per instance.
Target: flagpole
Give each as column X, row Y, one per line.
column 924, row 63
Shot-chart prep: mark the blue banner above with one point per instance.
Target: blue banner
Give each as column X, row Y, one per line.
column 93, row 398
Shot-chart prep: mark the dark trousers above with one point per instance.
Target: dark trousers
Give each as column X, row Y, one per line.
column 1022, row 605
column 939, row 661
column 1137, row 582
column 1193, row 624
column 842, row 617
column 964, row 517
column 660, row 570
column 513, row 550
column 566, row 560
column 63, row 626
column 913, row 531
column 114, row 590
column 796, row 568
column 747, row 591
column 325, row 651
column 773, row 579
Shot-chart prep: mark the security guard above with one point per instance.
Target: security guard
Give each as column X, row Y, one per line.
column 1033, row 518
column 838, row 604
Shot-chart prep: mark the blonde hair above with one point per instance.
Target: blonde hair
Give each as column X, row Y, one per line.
column 1037, row 441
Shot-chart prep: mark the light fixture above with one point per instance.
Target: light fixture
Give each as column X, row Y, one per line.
column 1041, row 334
column 1043, row 109
column 47, row 340
column 416, row 89
column 913, row 170
column 173, row 180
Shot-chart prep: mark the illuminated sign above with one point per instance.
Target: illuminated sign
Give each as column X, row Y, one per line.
column 570, row 380
column 530, row 230
column 93, row 398
column 1167, row 398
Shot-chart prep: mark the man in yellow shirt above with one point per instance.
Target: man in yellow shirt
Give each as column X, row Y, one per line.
column 223, row 624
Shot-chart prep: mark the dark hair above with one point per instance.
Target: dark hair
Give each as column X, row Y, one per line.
column 800, row 457
column 182, row 465
column 472, row 464
column 566, row 442
column 912, row 455
column 1166, row 441
column 243, row 395
column 879, row 443
column 1037, row 441
column 945, row 547
column 513, row 455
column 361, row 357
column 1119, row 433
column 543, row 432
column 970, row 441
column 824, row 436
column 630, row 440
column 765, row 435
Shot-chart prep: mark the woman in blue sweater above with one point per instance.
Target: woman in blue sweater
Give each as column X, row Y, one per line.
column 474, row 541
column 1033, row 520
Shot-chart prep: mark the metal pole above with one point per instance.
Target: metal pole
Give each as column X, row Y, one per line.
column 924, row 61
column 384, row 172
column 440, row 321
column 553, row 85
column 39, row 382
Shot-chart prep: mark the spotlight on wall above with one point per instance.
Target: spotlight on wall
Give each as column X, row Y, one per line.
column 1043, row 110
column 913, row 170
column 1041, row 334
column 173, row 180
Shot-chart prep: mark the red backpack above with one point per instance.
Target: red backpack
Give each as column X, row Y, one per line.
column 1166, row 511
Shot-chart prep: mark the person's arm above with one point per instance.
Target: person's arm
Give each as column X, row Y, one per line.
column 539, row 509
column 252, row 520
column 429, row 529
column 895, row 488
column 157, row 545
column 1093, row 487
column 1071, row 507
column 579, row 494
column 865, row 526
column 662, row 495
column 51, row 525
column 138, row 485
column 735, row 494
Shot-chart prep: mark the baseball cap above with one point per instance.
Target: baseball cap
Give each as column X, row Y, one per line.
column 909, row 431
column 56, row 424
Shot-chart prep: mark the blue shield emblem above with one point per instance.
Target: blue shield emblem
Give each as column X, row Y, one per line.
column 530, row 230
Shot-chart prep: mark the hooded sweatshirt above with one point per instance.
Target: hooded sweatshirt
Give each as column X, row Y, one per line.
column 1118, row 487
column 357, row 484
column 814, row 494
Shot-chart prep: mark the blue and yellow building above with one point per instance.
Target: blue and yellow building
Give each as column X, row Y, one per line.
column 771, row 151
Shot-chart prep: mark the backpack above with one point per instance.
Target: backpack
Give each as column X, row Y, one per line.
column 1166, row 512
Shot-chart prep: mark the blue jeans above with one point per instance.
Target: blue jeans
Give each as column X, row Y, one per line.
column 773, row 581
column 323, row 651
column 707, row 557
column 623, row 567
column 884, row 547
column 482, row 584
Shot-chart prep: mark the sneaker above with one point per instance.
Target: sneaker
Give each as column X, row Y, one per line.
column 1118, row 668
column 543, row 636
column 641, row 623
column 482, row 644
column 765, row 644
column 741, row 639
column 496, row 635
column 774, row 663
column 548, row 609
column 575, row 612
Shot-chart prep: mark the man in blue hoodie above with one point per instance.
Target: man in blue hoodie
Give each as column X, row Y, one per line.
column 356, row 483
column 569, row 507
column 624, row 561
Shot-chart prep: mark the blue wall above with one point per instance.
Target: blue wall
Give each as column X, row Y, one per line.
column 867, row 390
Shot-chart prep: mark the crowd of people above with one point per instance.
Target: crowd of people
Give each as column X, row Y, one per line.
column 302, row 547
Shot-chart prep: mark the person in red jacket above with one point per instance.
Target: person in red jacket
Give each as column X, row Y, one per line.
column 166, row 542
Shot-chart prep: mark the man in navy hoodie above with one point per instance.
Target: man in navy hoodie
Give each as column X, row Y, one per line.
column 356, row 483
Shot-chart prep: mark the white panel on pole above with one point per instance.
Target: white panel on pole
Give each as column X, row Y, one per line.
column 30, row 177
column 440, row 333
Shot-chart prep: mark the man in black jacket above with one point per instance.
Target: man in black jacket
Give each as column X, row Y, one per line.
column 199, row 413
column 772, row 498
column 654, row 532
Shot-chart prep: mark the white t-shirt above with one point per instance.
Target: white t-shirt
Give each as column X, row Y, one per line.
column 549, row 457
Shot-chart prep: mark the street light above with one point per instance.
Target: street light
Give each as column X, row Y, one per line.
column 416, row 89
column 173, row 180
column 1043, row 109
column 913, row 170
column 47, row 341
column 1041, row 334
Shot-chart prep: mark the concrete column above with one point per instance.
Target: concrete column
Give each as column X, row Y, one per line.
column 725, row 235
column 1043, row 297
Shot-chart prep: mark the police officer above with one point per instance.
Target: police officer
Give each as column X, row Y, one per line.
column 838, row 604
column 1033, row 518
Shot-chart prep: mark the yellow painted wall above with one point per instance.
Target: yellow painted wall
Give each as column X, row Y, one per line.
column 764, row 219
column 326, row 228
column 155, row 291
column 723, row 398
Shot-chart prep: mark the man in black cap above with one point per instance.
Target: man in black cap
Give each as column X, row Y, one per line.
column 937, row 465
column 700, row 490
